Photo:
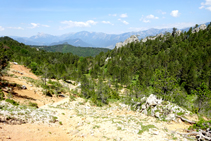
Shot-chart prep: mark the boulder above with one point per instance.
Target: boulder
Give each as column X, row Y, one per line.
column 144, row 111
column 171, row 117
column 23, row 87
column 15, row 63
column 152, row 100
column 157, row 115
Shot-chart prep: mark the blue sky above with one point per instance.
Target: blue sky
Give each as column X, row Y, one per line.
column 28, row 17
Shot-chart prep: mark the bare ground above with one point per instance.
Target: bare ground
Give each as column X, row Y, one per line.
column 78, row 120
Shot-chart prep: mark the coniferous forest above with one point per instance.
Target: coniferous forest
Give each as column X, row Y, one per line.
column 80, row 51
column 175, row 68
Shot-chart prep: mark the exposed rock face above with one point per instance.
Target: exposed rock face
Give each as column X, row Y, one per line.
column 132, row 38
column 202, row 27
column 118, row 45
column 178, row 32
column 152, row 38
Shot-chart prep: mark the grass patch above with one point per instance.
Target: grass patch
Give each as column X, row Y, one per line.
column 96, row 126
column 145, row 128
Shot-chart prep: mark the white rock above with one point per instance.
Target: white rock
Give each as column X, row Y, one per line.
column 171, row 117
column 151, row 100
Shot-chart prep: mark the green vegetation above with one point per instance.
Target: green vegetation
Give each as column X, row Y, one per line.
column 31, row 104
column 145, row 128
column 80, row 51
column 202, row 124
column 12, row 102
column 175, row 68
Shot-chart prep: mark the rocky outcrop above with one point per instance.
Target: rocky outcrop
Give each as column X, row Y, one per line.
column 132, row 38
column 152, row 38
column 158, row 108
column 178, row 32
column 202, row 27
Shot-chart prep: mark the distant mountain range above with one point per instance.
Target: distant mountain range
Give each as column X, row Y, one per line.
column 89, row 39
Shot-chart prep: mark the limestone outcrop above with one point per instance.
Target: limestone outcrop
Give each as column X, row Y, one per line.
column 132, row 38
column 158, row 108
column 152, row 38
column 202, row 27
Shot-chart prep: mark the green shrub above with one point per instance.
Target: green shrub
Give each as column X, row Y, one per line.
column 33, row 104
column 1, row 95
column 12, row 102
column 202, row 124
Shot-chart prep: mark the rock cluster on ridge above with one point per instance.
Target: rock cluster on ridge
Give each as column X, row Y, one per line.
column 202, row 27
column 132, row 38
column 152, row 38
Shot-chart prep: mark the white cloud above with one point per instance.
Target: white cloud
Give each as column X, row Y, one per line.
column 206, row 5
column 151, row 17
column 145, row 19
column 107, row 22
column 124, row 22
column 46, row 25
column 71, row 24
column 161, row 12
column 175, row 13
column 35, row 25
column 1, row 28
column 114, row 15
column 123, row 16
column 16, row 28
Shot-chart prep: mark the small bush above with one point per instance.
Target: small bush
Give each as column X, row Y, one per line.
column 202, row 124
column 12, row 102
column 1, row 95
column 54, row 119
column 33, row 104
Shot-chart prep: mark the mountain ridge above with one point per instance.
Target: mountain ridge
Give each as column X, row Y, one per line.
column 89, row 39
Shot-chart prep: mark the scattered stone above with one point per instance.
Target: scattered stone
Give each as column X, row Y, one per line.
column 159, row 108
column 23, row 87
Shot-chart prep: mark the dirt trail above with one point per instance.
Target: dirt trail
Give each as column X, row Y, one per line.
column 32, row 93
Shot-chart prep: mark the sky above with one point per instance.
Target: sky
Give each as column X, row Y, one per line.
column 26, row 18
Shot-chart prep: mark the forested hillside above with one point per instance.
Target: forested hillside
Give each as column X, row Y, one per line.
column 80, row 51
column 176, row 68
